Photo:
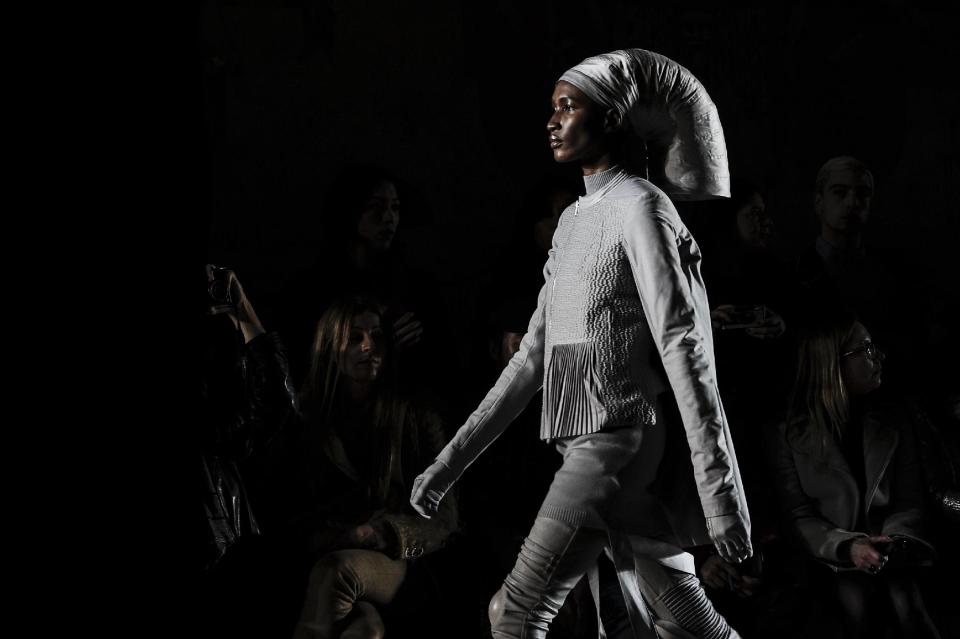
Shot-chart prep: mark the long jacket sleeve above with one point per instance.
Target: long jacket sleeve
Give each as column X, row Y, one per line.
column 664, row 259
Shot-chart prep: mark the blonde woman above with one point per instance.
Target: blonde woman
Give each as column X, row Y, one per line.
column 353, row 466
column 849, row 479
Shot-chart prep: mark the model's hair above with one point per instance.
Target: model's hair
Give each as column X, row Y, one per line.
column 840, row 163
column 819, row 401
column 320, row 399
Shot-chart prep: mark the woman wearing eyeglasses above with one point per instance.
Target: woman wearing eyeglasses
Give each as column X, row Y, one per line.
column 850, row 483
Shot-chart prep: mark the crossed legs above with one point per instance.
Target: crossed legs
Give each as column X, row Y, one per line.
column 343, row 588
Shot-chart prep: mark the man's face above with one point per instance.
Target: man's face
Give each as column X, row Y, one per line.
column 844, row 204
column 380, row 217
column 576, row 128
column 753, row 224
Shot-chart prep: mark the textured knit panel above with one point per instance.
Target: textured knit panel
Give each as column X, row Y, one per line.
column 614, row 324
column 596, row 332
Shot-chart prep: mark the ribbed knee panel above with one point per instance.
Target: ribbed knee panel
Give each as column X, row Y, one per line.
column 691, row 610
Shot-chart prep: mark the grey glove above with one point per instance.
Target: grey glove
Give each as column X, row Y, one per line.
column 731, row 536
column 430, row 487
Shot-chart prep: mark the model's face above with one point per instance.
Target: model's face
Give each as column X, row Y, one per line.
column 576, row 128
column 753, row 224
column 862, row 366
column 362, row 359
column 380, row 218
column 844, row 204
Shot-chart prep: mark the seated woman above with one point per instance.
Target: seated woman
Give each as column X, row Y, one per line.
column 849, row 480
column 349, row 471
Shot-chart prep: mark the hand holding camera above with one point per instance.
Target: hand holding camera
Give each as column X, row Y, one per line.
column 873, row 554
column 226, row 297
column 756, row 320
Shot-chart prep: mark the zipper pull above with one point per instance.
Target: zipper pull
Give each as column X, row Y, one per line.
column 576, row 211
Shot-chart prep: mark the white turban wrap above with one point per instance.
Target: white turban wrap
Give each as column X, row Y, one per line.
column 668, row 108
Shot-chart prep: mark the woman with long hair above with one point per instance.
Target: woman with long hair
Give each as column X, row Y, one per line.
column 849, row 479
column 353, row 466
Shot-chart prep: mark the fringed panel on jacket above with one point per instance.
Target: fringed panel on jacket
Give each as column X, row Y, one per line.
column 572, row 396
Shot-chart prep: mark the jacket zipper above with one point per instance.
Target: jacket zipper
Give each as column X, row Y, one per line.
column 553, row 287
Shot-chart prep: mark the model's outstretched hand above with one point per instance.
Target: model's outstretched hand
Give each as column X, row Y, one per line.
column 731, row 536
column 430, row 487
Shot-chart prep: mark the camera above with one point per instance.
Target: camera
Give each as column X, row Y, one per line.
column 895, row 546
column 902, row 551
column 218, row 285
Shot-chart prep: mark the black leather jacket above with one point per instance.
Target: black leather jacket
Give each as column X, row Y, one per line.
column 245, row 408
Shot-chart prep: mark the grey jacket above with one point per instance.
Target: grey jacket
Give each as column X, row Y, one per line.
column 622, row 316
column 820, row 497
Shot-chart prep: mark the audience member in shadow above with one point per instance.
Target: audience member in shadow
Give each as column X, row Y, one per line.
column 356, row 256
column 842, row 262
column 342, row 483
column 521, row 264
column 749, row 290
column 850, row 483
column 247, row 400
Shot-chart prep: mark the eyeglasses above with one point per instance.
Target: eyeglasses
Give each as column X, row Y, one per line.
column 867, row 347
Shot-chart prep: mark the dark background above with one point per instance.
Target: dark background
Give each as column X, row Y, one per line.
column 453, row 96
column 234, row 116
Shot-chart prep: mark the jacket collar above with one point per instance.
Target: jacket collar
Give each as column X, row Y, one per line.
column 599, row 184
column 879, row 444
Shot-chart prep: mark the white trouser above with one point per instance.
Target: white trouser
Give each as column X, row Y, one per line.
column 662, row 595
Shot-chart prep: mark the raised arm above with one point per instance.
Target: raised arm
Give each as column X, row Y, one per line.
column 262, row 402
